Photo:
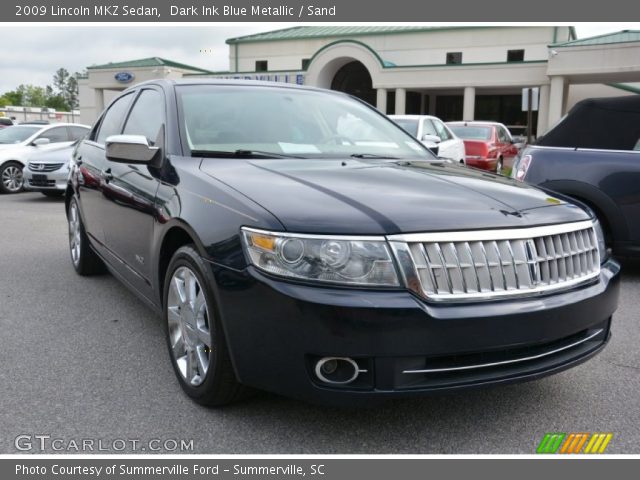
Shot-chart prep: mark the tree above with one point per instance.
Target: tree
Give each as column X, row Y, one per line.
column 13, row 97
column 63, row 95
column 71, row 91
column 66, row 86
column 34, row 96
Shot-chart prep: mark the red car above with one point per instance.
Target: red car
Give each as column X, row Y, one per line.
column 488, row 145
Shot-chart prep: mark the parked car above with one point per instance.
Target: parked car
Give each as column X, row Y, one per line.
column 5, row 122
column 593, row 155
column 48, row 171
column 296, row 240
column 434, row 134
column 18, row 142
column 489, row 145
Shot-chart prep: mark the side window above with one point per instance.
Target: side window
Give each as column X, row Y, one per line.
column 112, row 121
column 503, row 137
column 442, row 131
column 76, row 133
column 427, row 128
column 56, row 135
column 147, row 115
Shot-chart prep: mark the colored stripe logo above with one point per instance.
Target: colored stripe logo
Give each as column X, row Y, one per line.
column 574, row 443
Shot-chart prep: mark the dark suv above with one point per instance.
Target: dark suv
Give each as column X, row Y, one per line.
column 297, row 241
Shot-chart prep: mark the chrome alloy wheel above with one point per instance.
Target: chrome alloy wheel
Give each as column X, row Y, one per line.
column 188, row 325
column 75, row 235
column 12, row 178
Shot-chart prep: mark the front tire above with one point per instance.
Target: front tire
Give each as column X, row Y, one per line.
column 194, row 334
column 11, row 179
column 84, row 260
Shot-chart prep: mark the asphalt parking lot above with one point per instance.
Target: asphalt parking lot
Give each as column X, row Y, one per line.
column 82, row 358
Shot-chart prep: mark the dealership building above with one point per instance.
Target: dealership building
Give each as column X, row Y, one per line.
column 455, row 73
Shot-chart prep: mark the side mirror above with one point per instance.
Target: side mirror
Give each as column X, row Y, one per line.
column 130, row 149
column 430, row 138
column 41, row 141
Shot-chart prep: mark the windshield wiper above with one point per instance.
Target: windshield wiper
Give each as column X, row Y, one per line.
column 372, row 155
column 240, row 153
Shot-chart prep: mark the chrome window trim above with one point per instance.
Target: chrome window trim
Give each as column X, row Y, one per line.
column 506, row 362
column 484, row 235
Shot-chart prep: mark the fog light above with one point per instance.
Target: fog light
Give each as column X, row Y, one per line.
column 337, row 370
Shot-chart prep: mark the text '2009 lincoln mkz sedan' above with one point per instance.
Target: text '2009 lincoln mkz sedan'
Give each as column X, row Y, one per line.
column 295, row 240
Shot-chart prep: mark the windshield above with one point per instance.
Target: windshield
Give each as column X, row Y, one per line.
column 16, row 134
column 471, row 132
column 409, row 124
column 286, row 121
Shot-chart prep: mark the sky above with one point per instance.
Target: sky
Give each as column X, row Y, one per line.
column 34, row 53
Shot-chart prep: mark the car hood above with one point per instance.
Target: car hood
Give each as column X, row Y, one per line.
column 11, row 146
column 387, row 197
column 57, row 155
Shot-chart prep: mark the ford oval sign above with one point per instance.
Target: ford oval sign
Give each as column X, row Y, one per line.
column 124, row 77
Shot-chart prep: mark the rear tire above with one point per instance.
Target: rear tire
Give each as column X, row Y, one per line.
column 194, row 334
column 84, row 260
column 11, row 179
column 499, row 165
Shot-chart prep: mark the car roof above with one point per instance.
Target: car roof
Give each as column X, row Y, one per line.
column 170, row 83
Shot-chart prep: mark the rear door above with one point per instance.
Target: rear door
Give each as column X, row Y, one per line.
column 129, row 194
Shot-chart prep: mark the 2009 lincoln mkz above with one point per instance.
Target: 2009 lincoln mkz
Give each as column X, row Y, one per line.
column 295, row 240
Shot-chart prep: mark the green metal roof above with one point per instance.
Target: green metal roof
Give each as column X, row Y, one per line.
column 297, row 33
column 147, row 62
column 624, row 36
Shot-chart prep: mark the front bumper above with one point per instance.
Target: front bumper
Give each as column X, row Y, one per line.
column 277, row 331
column 49, row 181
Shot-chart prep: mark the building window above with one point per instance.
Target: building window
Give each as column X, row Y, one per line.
column 305, row 63
column 515, row 55
column 261, row 66
column 454, row 58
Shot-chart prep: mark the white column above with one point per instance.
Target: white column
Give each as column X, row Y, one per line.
column 543, row 110
column 556, row 100
column 432, row 104
column 469, row 104
column 99, row 100
column 381, row 100
column 401, row 101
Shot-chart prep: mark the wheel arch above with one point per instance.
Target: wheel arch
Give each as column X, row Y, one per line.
column 604, row 207
column 177, row 234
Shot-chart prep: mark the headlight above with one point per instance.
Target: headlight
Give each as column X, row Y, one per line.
column 364, row 261
column 521, row 168
column 602, row 245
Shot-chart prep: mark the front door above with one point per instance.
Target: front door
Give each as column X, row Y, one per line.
column 129, row 194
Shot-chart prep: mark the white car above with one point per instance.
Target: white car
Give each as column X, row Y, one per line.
column 20, row 142
column 47, row 171
column 434, row 134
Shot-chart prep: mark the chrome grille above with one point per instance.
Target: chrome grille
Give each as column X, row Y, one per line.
column 493, row 263
column 44, row 167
